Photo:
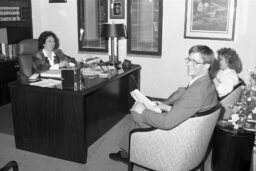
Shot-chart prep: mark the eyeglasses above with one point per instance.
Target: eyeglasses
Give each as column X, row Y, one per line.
column 194, row 62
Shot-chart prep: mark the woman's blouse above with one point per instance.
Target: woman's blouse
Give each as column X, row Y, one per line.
column 228, row 79
column 41, row 62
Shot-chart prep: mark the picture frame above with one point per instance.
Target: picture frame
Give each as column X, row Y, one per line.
column 117, row 10
column 57, row 1
column 210, row 19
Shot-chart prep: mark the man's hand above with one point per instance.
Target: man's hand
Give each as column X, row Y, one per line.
column 138, row 107
column 162, row 106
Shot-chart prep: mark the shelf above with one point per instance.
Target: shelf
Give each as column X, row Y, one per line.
column 20, row 29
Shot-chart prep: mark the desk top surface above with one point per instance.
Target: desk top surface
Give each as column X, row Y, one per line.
column 97, row 83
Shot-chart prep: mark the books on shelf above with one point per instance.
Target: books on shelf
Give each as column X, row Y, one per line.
column 8, row 50
column 139, row 97
column 4, row 49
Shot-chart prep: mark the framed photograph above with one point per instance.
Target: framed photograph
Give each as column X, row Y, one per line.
column 57, row 1
column 117, row 9
column 210, row 19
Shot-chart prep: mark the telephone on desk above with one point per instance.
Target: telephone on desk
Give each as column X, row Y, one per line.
column 126, row 64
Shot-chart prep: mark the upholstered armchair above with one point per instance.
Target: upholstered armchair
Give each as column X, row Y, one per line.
column 230, row 99
column 26, row 48
column 181, row 148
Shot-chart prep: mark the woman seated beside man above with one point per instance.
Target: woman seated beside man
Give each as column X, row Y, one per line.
column 49, row 56
column 227, row 76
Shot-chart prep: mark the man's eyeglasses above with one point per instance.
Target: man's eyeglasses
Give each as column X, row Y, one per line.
column 194, row 62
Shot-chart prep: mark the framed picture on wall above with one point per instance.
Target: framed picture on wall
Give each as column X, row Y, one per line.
column 210, row 19
column 57, row 1
column 117, row 9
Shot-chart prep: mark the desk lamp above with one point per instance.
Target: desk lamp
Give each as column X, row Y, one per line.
column 112, row 31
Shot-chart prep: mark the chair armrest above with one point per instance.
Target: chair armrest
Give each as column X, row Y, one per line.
column 22, row 78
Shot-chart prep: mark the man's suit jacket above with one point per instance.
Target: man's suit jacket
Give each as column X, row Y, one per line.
column 199, row 96
column 41, row 62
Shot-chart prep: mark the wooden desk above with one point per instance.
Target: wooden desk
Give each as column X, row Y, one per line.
column 63, row 124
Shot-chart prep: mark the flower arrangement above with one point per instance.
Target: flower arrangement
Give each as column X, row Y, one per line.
column 245, row 108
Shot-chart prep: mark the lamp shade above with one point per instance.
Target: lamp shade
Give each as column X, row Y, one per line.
column 113, row 30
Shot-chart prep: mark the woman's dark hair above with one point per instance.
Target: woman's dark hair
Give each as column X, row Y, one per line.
column 42, row 39
column 231, row 57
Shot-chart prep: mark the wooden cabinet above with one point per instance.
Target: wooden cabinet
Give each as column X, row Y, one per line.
column 16, row 25
column 19, row 23
column 8, row 69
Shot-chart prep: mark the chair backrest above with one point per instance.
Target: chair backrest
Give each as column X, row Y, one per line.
column 181, row 148
column 230, row 100
column 26, row 48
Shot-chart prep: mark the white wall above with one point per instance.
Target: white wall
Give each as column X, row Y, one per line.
column 159, row 76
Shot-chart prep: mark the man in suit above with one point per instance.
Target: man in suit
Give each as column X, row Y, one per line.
column 199, row 96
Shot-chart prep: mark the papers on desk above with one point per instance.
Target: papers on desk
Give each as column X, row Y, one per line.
column 101, row 71
column 46, row 83
column 91, row 71
column 52, row 74
column 34, row 77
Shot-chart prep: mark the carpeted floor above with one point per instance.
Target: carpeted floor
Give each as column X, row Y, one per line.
column 98, row 159
column 6, row 125
column 98, row 152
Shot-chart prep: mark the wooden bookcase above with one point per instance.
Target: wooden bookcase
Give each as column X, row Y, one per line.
column 16, row 19
column 17, row 30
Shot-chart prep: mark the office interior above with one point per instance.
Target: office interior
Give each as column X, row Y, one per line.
column 163, row 74
column 159, row 75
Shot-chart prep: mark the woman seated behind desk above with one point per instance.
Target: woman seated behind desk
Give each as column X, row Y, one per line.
column 49, row 56
column 230, row 65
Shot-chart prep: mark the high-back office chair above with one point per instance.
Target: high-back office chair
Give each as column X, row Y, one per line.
column 26, row 48
column 10, row 165
column 181, row 148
